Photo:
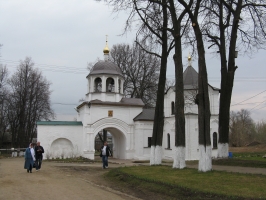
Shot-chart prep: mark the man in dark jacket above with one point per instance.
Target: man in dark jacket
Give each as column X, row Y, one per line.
column 105, row 153
column 38, row 154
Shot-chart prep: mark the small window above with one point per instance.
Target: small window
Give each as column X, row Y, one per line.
column 149, row 141
column 168, row 141
column 173, row 107
column 214, row 138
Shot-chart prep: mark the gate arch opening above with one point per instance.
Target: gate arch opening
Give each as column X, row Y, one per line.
column 118, row 146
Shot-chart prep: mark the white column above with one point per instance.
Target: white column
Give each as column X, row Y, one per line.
column 92, row 84
column 84, row 139
column 103, row 84
column 90, row 141
column 103, row 95
column 89, row 148
column 88, row 84
column 122, row 86
column 116, row 85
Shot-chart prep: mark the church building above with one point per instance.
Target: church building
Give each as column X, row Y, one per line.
column 106, row 108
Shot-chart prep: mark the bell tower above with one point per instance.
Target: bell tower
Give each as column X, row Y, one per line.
column 105, row 80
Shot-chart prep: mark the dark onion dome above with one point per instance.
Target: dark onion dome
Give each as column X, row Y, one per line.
column 105, row 67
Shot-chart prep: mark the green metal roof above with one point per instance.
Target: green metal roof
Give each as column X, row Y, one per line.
column 54, row 123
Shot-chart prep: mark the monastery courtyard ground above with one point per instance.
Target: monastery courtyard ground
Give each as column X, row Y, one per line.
column 73, row 180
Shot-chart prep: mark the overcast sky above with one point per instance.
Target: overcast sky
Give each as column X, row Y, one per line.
column 62, row 36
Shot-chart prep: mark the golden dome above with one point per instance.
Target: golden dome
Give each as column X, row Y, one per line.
column 189, row 57
column 106, row 49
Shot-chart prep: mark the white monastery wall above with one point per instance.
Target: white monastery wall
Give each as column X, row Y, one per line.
column 169, row 97
column 214, row 128
column 97, row 112
column 192, row 139
column 214, row 101
column 169, row 128
column 60, row 140
column 190, row 106
column 142, row 130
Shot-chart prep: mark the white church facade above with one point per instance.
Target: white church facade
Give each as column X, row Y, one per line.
column 126, row 119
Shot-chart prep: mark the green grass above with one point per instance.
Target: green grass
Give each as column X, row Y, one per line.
column 244, row 160
column 188, row 183
column 250, row 156
column 241, row 162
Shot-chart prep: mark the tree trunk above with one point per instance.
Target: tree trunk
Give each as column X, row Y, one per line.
column 158, row 124
column 227, row 83
column 180, row 136
column 205, row 161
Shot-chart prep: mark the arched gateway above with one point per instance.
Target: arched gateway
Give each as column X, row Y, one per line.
column 121, row 135
column 126, row 119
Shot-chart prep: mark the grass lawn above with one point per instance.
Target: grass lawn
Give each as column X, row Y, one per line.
column 191, row 184
column 244, row 159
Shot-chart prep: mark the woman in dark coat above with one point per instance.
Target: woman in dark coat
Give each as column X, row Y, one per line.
column 29, row 158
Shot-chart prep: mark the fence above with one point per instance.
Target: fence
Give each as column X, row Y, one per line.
column 12, row 152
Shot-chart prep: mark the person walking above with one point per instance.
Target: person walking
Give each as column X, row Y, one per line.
column 29, row 158
column 38, row 152
column 105, row 153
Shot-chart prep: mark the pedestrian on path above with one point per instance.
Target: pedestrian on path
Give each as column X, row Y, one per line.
column 29, row 158
column 105, row 153
column 38, row 153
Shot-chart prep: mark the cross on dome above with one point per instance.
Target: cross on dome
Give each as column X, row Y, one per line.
column 106, row 49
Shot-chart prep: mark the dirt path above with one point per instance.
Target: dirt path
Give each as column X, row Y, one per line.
column 75, row 181
column 54, row 181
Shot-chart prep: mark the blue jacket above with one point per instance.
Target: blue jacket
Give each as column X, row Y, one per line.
column 28, row 159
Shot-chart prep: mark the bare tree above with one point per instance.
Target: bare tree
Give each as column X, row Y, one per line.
column 169, row 83
column 193, row 9
column 260, row 128
column 29, row 101
column 229, row 26
column 141, row 71
column 3, row 104
column 152, row 25
column 180, row 135
column 242, row 128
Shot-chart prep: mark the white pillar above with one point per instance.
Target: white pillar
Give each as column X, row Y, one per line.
column 103, row 84
column 92, row 86
column 89, row 148
column 116, row 85
column 122, row 86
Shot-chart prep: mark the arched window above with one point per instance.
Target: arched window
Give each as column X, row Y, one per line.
column 168, row 141
column 110, row 85
column 98, row 85
column 173, row 107
column 214, row 138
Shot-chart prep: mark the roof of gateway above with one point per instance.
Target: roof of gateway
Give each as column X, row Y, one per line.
column 124, row 102
column 105, row 67
column 146, row 115
column 54, row 123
